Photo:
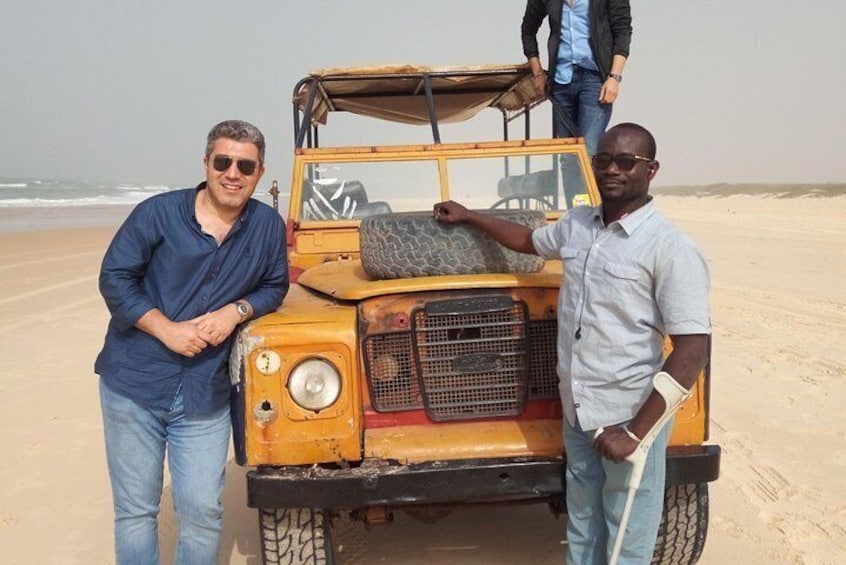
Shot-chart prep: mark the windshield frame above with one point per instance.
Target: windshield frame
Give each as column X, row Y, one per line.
column 306, row 159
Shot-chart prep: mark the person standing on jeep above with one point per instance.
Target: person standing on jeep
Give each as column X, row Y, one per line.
column 182, row 272
column 630, row 279
column 587, row 48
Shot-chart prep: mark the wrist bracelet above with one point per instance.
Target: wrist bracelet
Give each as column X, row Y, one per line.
column 631, row 434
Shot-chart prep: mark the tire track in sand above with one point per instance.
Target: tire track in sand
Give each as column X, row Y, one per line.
column 74, row 256
column 788, row 347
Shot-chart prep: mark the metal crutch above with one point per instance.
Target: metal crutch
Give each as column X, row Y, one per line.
column 674, row 395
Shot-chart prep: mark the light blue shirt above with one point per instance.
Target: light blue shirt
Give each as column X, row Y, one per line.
column 626, row 286
column 574, row 48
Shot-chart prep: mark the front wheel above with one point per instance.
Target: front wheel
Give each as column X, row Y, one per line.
column 684, row 525
column 295, row 536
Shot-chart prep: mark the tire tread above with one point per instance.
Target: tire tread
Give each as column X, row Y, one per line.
column 684, row 525
column 414, row 244
column 293, row 536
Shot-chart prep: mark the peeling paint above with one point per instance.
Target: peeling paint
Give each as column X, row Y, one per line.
column 265, row 412
column 241, row 348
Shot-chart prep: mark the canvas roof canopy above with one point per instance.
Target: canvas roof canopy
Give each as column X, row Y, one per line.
column 398, row 93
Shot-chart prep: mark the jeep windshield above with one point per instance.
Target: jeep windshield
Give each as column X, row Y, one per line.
column 353, row 189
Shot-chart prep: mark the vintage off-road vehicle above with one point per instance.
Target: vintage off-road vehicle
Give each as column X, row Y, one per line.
column 412, row 365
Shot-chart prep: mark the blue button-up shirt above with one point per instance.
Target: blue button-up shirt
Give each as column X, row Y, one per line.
column 161, row 258
column 626, row 287
column 574, row 48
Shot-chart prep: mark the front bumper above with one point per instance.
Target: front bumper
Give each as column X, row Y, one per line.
column 465, row 481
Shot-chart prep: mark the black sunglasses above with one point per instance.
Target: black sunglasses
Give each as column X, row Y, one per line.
column 223, row 162
column 625, row 161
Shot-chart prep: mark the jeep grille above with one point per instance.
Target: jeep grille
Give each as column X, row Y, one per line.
column 391, row 372
column 464, row 359
column 543, row 353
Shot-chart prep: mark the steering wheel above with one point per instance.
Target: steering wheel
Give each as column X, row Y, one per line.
column 528, row 202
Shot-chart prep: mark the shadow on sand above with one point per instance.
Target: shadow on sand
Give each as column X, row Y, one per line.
column 495, row 535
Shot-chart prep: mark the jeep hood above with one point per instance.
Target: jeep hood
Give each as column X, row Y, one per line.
column 346, row 280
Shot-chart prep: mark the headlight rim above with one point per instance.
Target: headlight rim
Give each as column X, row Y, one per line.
column 296, row 389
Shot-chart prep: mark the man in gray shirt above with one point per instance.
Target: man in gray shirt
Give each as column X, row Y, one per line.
column 631, row 279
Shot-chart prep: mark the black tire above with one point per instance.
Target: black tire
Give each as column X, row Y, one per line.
column 294, row 536
column 684, row 525
column 414, row 244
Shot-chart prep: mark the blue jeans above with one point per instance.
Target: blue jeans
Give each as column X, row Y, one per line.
column 596, row 494
column 579, row 101
column 197, row 447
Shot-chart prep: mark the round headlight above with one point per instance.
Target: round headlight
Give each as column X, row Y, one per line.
column 314, row 384
column 268, row 362
column 386, row 368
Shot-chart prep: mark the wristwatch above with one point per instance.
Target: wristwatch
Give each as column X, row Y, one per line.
column 243, row 310
column 618, row 78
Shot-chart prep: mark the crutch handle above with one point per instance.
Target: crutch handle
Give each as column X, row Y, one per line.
column 674, row 395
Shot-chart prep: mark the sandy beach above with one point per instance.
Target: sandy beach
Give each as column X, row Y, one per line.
column 778, row 267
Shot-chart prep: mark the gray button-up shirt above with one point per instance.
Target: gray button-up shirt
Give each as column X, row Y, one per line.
column 626, row 287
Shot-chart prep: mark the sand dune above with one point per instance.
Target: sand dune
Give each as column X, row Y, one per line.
column 779, row 387
column 755, row 189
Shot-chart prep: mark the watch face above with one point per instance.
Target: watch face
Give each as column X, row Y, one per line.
column 243, row 310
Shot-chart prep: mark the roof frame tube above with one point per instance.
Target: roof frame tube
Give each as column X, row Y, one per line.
column 527, row 134
column 430, row 104
column 309, row 107
column 296, row 106
column 505, row 138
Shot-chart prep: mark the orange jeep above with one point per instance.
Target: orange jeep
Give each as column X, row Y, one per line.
column 412, row 364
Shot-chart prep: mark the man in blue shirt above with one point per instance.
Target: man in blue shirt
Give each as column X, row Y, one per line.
column 630, row 280
column 183, row 271
column 587, row 49
column 588, row 46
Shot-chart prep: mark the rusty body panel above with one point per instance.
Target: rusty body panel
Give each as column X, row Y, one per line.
column 322, row 324
column 347, row 280
column 278, row 431
column 475, row 440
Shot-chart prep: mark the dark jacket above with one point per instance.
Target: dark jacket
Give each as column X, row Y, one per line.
column 610, row 30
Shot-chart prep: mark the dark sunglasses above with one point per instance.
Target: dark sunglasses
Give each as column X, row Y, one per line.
column 223, row 162
column 624, row 161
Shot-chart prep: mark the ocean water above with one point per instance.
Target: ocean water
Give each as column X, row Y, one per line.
column 37, row 193
column 36, row 204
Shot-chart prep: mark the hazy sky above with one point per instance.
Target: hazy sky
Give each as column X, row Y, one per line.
column 735, row 91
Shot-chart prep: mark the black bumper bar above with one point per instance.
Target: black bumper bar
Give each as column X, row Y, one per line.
column 442, row 482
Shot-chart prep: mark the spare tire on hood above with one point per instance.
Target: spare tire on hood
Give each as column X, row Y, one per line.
column 415, row 244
